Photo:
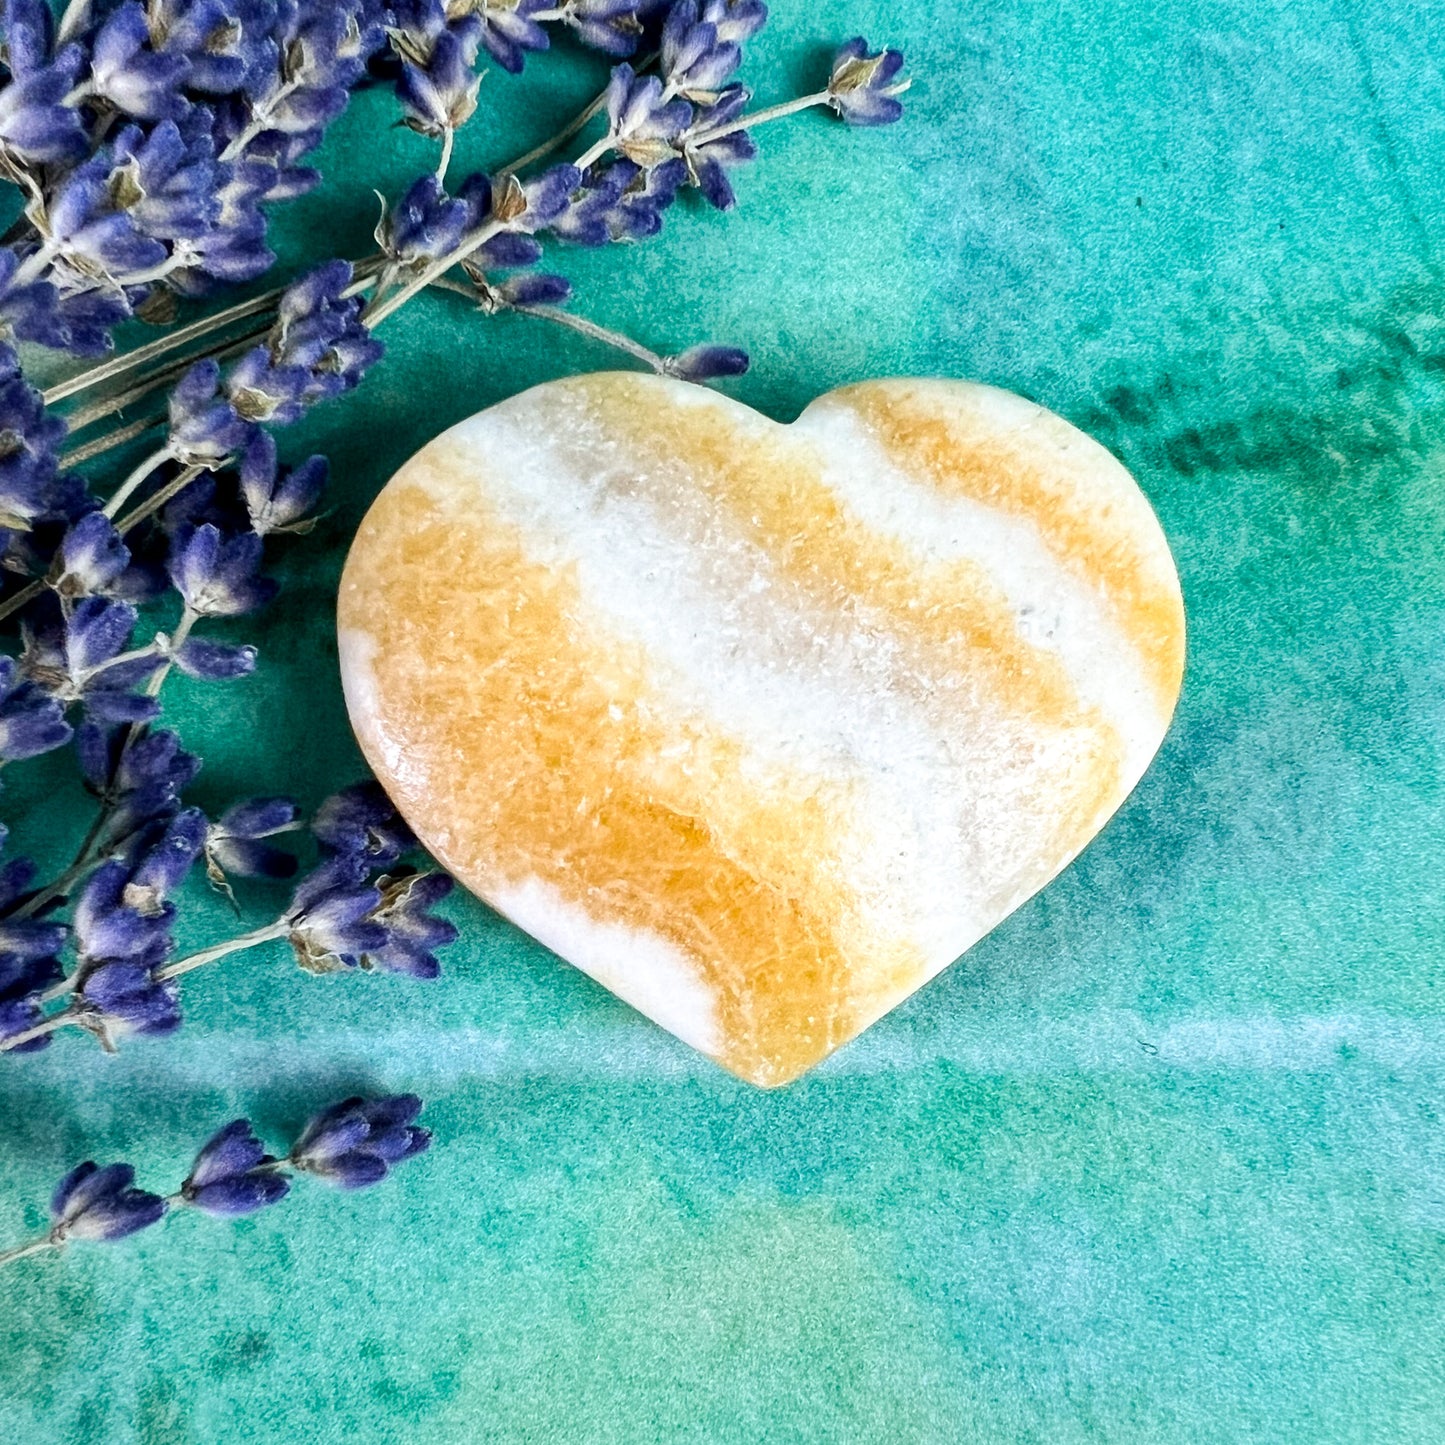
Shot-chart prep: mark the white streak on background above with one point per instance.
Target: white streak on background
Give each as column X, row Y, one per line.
column 1106, row 1043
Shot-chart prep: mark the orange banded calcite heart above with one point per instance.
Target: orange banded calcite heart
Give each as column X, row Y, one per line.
column 761, row 726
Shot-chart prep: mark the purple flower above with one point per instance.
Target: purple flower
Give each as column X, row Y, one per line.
column 28, row 35
column 709, row 157
column 412, row 933
column 356, row 1142
column 505, row 251
column 545, row 197
column 621, row 202
column 94, row 634
column 318, row 348
column 424, row 224
column 124, row 997
column 438, row 86
column 362, row 820
column 531, row 288
column 31, row 720
column 101, row 1204
column 124, row 912
column 36, row 126
column 707, row 363
column 232, row 1174
column 863, row 88
column 205, row 428
column 83, row 656
column 91, row 557
column 92, row 237
column 279, row 501
column 508, row 30
column 642, row 121
column 140, row 778
column 735, row 20
column 129, row 74
column 29, row 310
column 19, row 1014
column 30, row 441
column 236, row 842
column 123, row 920
column 230, row 44
column 211, row 661
column 331, row 927
column 165, row 185
column 83, row 320
column 218, row 576
column 612, row 26
column 29, row 959
column 696, row 60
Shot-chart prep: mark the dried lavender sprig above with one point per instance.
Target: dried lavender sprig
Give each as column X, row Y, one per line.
column 351, row 1145
column 216, row 103
column 357, row 909
column 182, row 336
column 698, row 363
column 862, row 88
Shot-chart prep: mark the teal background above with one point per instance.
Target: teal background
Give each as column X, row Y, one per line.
column 1160, row 1160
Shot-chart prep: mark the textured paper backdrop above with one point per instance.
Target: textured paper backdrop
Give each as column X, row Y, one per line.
column 1163, row 1158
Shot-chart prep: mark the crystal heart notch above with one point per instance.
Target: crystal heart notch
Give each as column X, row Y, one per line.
column 761, row 726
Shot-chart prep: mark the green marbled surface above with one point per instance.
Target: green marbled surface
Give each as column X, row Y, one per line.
column 1161, row 1160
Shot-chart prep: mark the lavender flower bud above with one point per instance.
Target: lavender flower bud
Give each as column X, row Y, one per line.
column 210, row 661
column 28, row 35
column 642, row 122
column 141, row 777
column 425, row 224
column 31, row 720
column 205, row 428
column 863, row 88
column 330, row 923
column 83, row 656
column 121, row 997
column 30, row 441
column 696, row 60
column 709, row 158
column 36, row 126
column 29, row 959
column 735, row 20
column 438, row 87
column 231, row 1176
column 123, row 920
column 707, row 363
column 29, row 310
column 125, row 70
column 165, row 185
column 362, row 820
column 100, row 1204
column 19, row 1014
column 412, row 933
column 623, row 202
column 533, row 288
column 235, row 842
column 508, row 30
column 612, row 26
column 230, row 44
column 358, row 1141
column 279, row 501
column 92, row 235
column 90, row 558
column 218, row 576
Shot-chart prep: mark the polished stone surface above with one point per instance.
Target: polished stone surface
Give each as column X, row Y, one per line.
column 760, row 726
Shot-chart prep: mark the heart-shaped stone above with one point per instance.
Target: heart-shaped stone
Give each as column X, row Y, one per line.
column 761, row 726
